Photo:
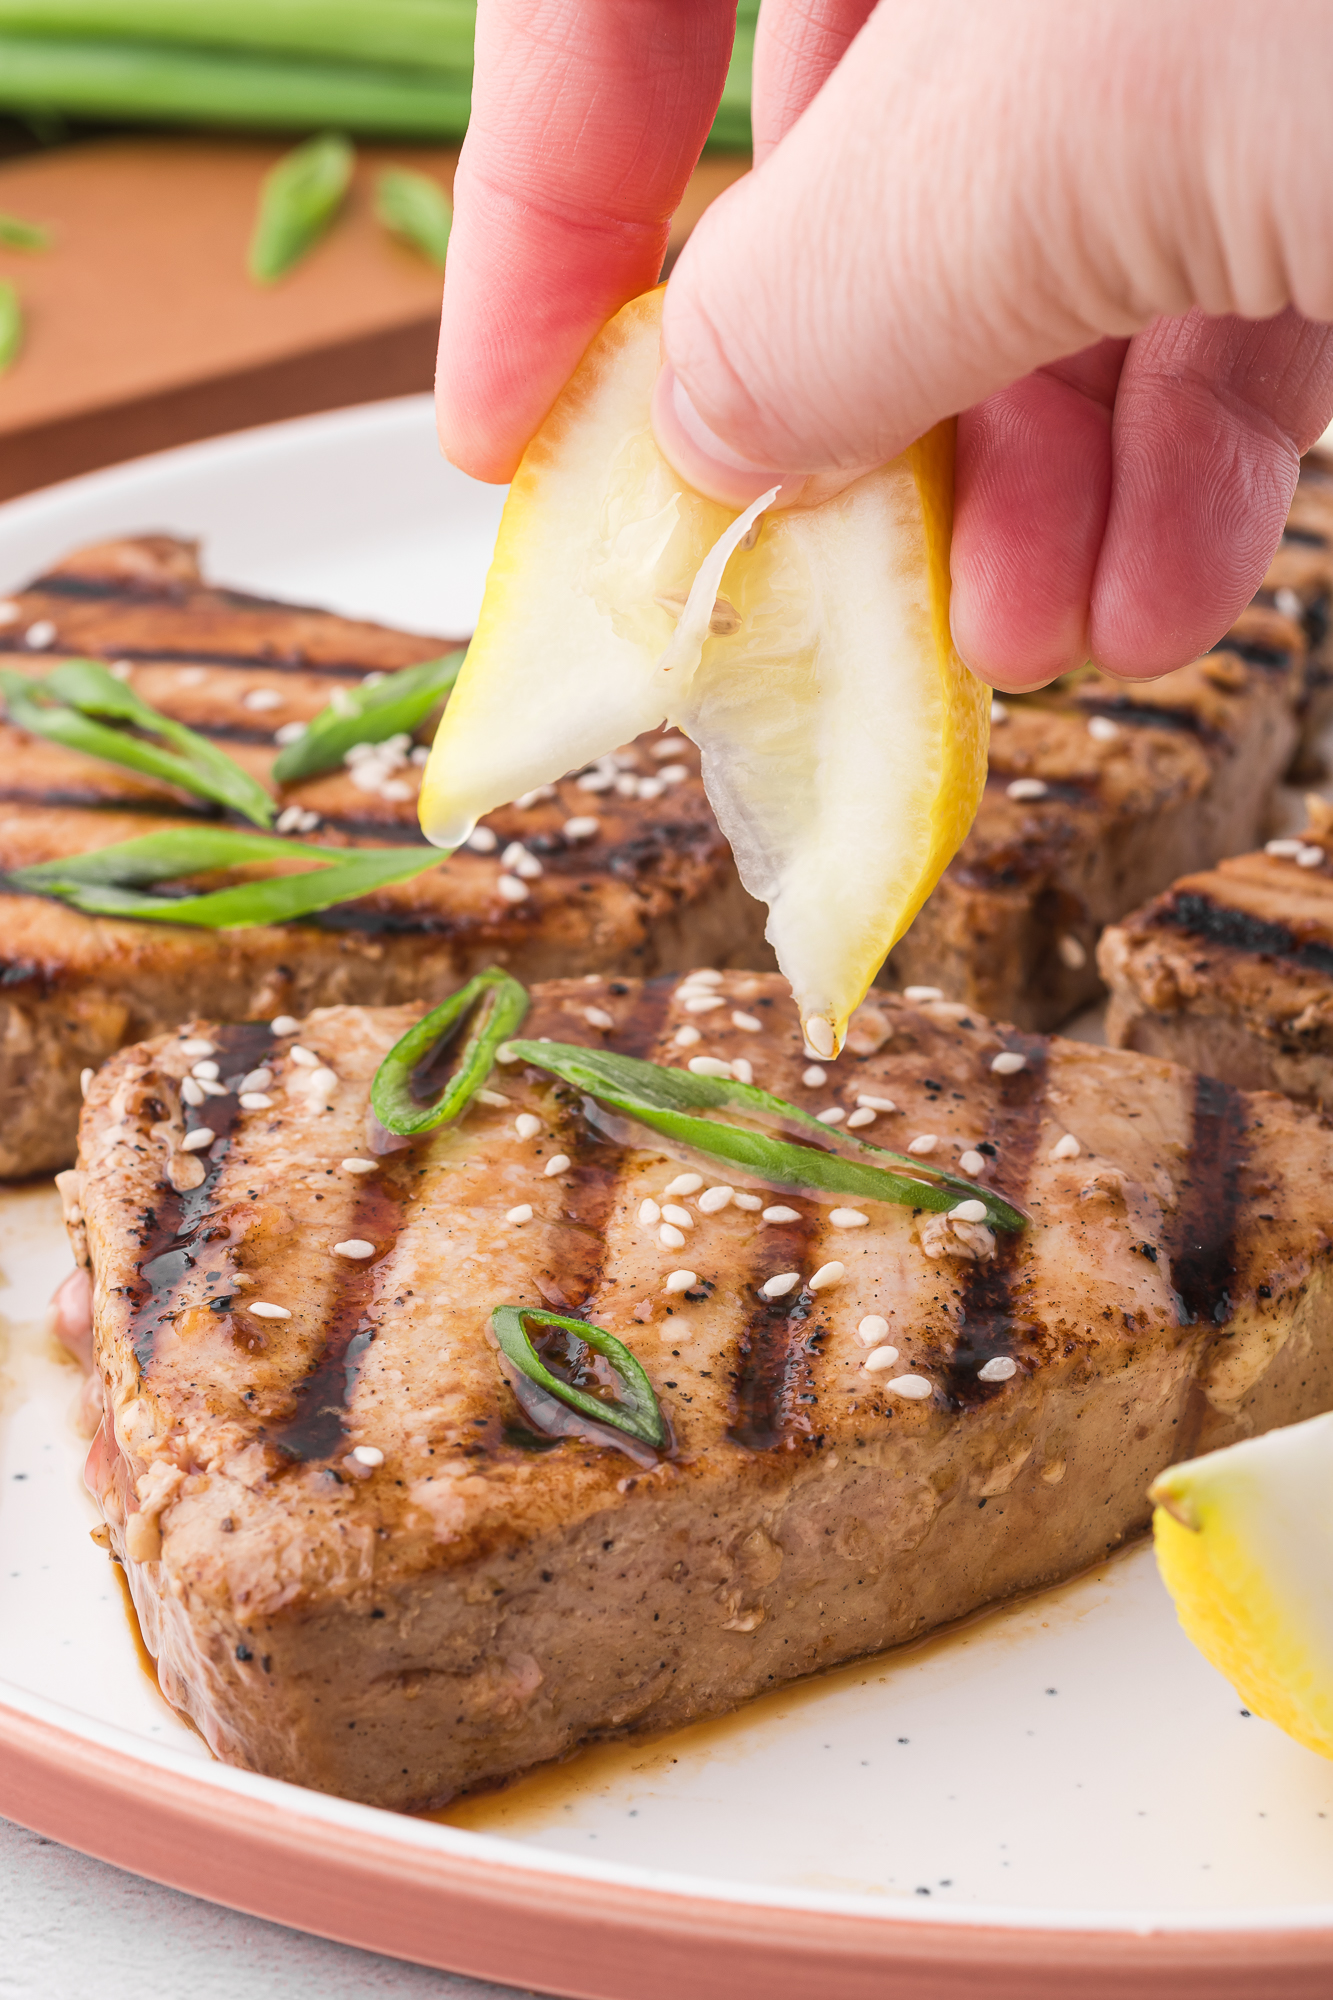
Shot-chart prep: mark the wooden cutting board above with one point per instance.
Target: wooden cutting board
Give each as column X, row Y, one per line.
column 144, row 331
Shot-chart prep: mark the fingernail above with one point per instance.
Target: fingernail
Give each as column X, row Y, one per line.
column 703, row 460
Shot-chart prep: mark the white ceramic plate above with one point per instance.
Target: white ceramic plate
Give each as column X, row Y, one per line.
column 1066, row 1769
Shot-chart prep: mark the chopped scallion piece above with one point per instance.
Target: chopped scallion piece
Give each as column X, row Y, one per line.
column 17, row 234
column 66, row 704
column 416, row 208
column 408, row 1095
column 638, row 1414
column 395, row 705
column 298, row 204
column 11, row 325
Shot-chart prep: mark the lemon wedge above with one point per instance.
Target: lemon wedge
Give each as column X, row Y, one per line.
column 1244, row 1541
column 806, row 652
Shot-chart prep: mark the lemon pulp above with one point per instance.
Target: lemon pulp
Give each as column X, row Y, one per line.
column 843, row 741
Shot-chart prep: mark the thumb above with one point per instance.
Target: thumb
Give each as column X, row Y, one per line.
column 968, row 198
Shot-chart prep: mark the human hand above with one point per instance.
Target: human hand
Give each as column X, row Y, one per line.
column 1100, row 232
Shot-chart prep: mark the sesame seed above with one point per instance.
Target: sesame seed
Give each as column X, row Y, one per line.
column 685, row 1184
column 523, row 1213
column 582, row 827
column 814, row 1076
column 264, row 1309
column 1027, row 788
column 649, row 1213
column 284, row 1024
column 257, row 1079
column 709, row 1066
column 826, row 1275
column 686, row 1037
column 10, row 613
column 703, row 1003
column 290, row 732
column 1101, row 729
column 194, row 1142
column 847, row 1218
column 820, row 1039
column 972, row 1164
column 833, row 1116
column 667, row 746
column 121, row 670
column 1067, row 1148
column 495, row 1098
column 681, row 1281
column 1283, row 850
column 355, row 1247
column 210, row 1088
column 323, row 1082
column 1288, row 603
column 557, row 1164
column 778, row 1288
column 650, row 788
column 305, row 1058
column 368, row 1454
column 261, row 698
column 998, row 711
column 918, row 996
column 924, row 1142
column 207, row 1068
column 517, row 858
column 511, row 889
column 672, row 774
column 865, row 1116
column 742, row 1070
column 749, row 1024
column 597, row 1017
column 192, row 1092
column 914, row 1387
column 869, row 1103
column 1310, row 857
column 255, row 1100
column 670, row 1237
column 673, row 1212
column 535, row 797
column 705, row 975
column 1073, row 952
column 352, row 1165
column 780, row 1214
column 998, row 1369
column 527, row 1126
column 85, row 1078
column 880, row 1360
column 482, row 840
column 968, row 1211
column 872, row 1328
column 40, row 634
column 713, row 1199
column 626, row 786
column 1008, row 1063
column 197, row 1047
column 506, row 1053
column 599, row 780
column 399, row 791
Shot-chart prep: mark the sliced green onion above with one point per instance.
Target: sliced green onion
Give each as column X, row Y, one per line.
column 11, row 325
column 298, row 204
column 665, row 1099
column 417, row 32
column 16, row 234
column 368, row 715
column 415, row 207
column 64, row 704
column 105, row 883
column 406, row 1096
column 638, row 1415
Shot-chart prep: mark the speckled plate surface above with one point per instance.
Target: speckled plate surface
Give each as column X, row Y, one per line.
column 1062, row 1796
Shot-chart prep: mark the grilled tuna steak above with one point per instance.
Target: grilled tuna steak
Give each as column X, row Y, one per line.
column 1099, row 794
column 632, row 873
column 359, row 1566
column 1232, row 970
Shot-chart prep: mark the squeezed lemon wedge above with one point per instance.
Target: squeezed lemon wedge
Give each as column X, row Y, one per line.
column 806, row 652
column 1244, row 1540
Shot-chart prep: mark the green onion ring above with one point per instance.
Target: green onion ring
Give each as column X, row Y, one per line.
column 640, row 1417
column 500, row 1001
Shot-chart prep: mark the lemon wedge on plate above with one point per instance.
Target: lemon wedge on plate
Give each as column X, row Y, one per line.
column 806, row 652
column 1244, row 1541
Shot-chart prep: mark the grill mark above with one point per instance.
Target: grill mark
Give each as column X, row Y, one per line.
column 990, row 1327
column 1062, row 791
column 1201, row 1233
column 1255, row 655
column 1143, row 715
column 79, row 800
column 773, row 1355
column 1307, row 537
column 278, row 663
column 165, row 1259
column 1238, row 930
column 642, row 1030
column 317, row 1426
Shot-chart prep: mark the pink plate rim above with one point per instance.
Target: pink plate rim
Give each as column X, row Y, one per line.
column 244, row 1845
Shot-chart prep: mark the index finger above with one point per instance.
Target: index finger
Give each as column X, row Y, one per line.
column 587, row 119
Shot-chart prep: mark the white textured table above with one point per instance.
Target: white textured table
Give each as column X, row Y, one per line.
column 71, row 1927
